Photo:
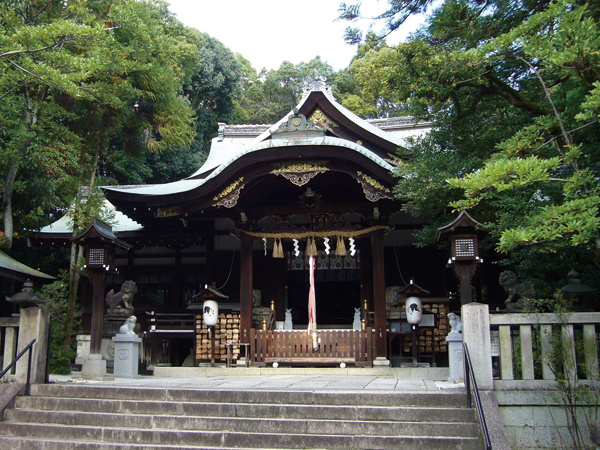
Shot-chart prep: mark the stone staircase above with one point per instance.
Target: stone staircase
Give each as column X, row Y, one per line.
column 78, row 416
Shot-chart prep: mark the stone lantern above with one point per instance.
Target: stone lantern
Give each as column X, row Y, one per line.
column 464, row 243
column 576, row 289
column 26, row 298
column 100, row 245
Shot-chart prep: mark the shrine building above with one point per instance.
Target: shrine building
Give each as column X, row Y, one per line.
column 295, row 230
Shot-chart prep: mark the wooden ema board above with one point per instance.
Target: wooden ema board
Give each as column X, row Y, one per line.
column 227, row 331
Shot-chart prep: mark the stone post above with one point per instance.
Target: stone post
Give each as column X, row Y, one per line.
column 34, row 324
column 476, row 334
column 455, row 350
column 126, row 355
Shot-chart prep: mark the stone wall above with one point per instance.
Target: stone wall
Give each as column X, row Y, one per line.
column 535, row 419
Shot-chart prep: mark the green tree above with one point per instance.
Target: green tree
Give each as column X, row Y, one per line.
column 42, row 55
column 511, row 91
column 271, row 94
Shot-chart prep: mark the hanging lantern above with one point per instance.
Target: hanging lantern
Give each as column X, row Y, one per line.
column 210, row 313
column 414, row 310
column 341, row 247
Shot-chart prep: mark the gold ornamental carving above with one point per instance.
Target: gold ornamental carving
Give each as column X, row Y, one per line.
column 372, row 188
column 168, row 212
column 230, row 195
column 300, row 173
column 318, row 117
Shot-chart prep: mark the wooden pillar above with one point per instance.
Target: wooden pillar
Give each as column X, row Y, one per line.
column 246, row 288
column 379, row 294
column 464, row 273
column 209, row 275
column 98, row 284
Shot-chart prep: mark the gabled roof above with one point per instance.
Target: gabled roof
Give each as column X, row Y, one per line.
column 342, row 129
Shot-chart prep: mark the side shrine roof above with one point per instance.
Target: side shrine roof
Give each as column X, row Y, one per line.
column 11, row 268
column 63, row 227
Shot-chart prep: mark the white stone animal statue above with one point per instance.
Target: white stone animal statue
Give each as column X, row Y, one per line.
column 129, row 326
column 455, row 323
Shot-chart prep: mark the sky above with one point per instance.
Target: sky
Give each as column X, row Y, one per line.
column 268, row 32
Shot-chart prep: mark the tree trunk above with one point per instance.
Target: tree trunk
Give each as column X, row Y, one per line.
column 74, row 276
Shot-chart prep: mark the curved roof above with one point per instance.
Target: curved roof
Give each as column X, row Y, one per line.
column 201, row 177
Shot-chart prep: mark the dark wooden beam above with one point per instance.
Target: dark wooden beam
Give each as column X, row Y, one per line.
column 246, row 288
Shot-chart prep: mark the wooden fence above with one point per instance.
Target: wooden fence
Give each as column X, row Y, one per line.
column 296, row 347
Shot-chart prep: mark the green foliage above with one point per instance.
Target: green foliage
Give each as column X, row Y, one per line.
column 56, row 294
column 575, row 389
column 271, row 94
column 512, row 91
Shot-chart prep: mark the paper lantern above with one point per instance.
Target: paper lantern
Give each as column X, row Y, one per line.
column 414, row 310
column 210, row 313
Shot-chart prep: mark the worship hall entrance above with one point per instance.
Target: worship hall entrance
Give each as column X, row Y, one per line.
column 337, row 290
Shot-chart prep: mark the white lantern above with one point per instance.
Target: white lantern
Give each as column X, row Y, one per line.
column 210, row 313
column 414, row 310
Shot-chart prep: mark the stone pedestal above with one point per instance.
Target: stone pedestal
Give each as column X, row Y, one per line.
column 94, row 367
column 455, row 357
column 126, row 355
column 381, row 361
column 83, row 348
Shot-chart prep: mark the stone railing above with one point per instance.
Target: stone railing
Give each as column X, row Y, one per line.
column 511, row 356
column 16, row 333
column 9, row 332
column 530, row 335
column 520, row 341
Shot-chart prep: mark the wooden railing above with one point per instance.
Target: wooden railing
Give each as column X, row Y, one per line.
column 296, row 347
column 162, row 328
column 521, row 340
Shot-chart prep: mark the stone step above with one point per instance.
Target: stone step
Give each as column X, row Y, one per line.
column 232, row 439
column 455, row 399
column 245, row 424
column 20, row 443
column 101, row 417
column 264, row 410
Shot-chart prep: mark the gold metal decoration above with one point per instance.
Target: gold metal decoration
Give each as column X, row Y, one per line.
column 318, row 117
column 299, row 173
column 372, row 188
column 229, row 189
column 230, row 195
column 168, row 212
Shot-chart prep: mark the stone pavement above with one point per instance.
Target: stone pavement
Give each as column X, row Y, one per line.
column 327, row 379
